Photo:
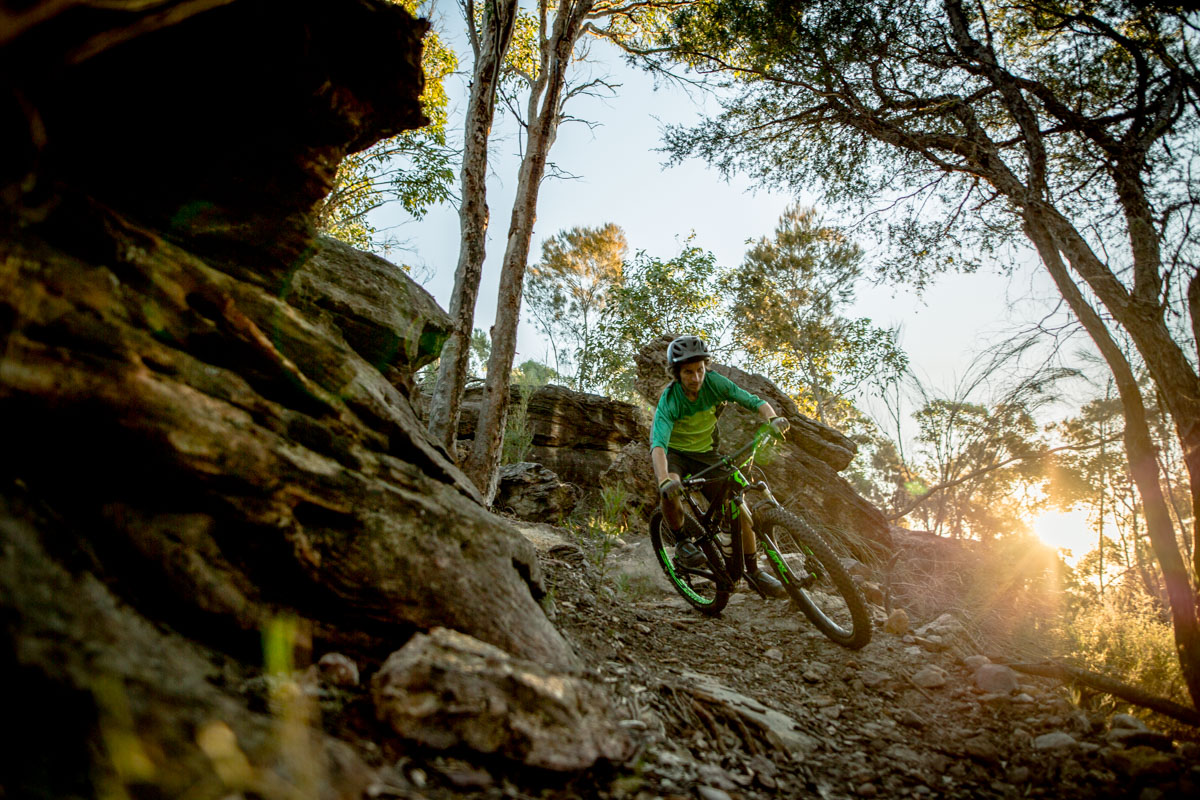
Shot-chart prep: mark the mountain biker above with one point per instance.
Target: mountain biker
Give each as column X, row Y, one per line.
column 681, row 443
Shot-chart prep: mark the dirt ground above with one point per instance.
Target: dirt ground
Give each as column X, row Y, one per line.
column 756, row 703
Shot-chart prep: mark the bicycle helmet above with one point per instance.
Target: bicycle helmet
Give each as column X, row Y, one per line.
column 685, row 348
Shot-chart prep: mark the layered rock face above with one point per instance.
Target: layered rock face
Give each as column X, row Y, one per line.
column 575, row 435
column 203, row 407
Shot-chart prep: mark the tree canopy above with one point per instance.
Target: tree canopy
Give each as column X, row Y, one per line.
column 568, row 291
column 786, row 303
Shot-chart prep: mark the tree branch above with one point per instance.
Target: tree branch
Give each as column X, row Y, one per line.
column 992, row 468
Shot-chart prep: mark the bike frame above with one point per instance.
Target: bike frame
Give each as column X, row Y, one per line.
column 729, row 500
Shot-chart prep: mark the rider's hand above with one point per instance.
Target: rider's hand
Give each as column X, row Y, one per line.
column 669, row 488
column 780, row 424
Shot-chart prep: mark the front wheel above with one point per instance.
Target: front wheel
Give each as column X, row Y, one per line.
column 815, row 579
column 699, row 587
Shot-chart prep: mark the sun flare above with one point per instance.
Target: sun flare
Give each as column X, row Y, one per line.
column 1066, row 530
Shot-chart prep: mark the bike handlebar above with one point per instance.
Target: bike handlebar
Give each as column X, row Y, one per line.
column 729, row 462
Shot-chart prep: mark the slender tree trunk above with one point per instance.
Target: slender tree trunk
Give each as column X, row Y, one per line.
column 1143, row 462
column 544, row 118
column 1142, row 318
column 499, row 18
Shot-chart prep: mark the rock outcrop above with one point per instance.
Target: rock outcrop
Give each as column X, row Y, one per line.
column 533, row 493
column 446, row 690
column 203, row 435
column 575, row 435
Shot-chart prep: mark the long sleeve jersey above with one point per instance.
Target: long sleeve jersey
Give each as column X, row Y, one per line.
column 682, row 424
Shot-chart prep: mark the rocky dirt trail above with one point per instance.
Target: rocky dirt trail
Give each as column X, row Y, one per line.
column 757, row 704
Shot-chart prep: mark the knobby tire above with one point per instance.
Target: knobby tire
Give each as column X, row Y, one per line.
column 701, row 593
column 815, row 579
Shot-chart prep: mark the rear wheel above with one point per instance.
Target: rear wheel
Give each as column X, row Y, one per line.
column 698, row 587
column 815, row 579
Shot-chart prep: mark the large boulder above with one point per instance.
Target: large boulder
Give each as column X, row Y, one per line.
column 388, row 319
column 221, row 122
column 533, row 493
column 448, row 691
column 575, row 435
column 202, row 436
column 802, row 470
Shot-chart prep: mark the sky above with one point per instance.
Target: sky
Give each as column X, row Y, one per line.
column 622, row 178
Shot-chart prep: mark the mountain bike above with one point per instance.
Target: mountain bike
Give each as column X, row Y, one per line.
column 815, row 580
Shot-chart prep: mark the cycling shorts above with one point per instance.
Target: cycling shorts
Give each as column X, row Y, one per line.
column 684, row 464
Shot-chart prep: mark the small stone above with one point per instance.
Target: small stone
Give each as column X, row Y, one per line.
column 1128, row 721
column 1021, row 739
column 1018, row 775
column 910, row 718
column 1058, row 740
column 716, row 778
column 775, row 654
column 336, row 669
column 811, row 675
column 872, row 593
column 872, row 679
column 1139, row 762
column 867, row 790
column 930, row 677
column 712, row 793
column 1024, row 698
column 996, row 678
column 897, row 623
column 975, row 662
column 831, row 712
column 981, row 747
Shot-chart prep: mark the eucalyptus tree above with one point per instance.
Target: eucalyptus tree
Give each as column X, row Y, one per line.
column 659, row 296
column 490, row 25
column 997, row 445
column 1071, row 124
column 561, row 30
column 786, row 303
column 568, row 290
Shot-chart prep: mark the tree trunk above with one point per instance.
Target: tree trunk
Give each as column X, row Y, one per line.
column 1142, row 319
column 545, row 101
column 499, row 19
column 1143, row 463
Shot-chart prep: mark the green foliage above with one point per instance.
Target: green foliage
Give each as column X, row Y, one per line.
column 960, row 439
column 481, row 351
column 599, row 527
column 878, row 473
column 881, row 102
column 675, row 296
column 785, row 302
column 1128, row 638
column 415, row 168
column 534, row 374
column 568, row 290
column 518, row 435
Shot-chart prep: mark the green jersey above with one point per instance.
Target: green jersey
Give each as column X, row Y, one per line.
column 687, row 425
